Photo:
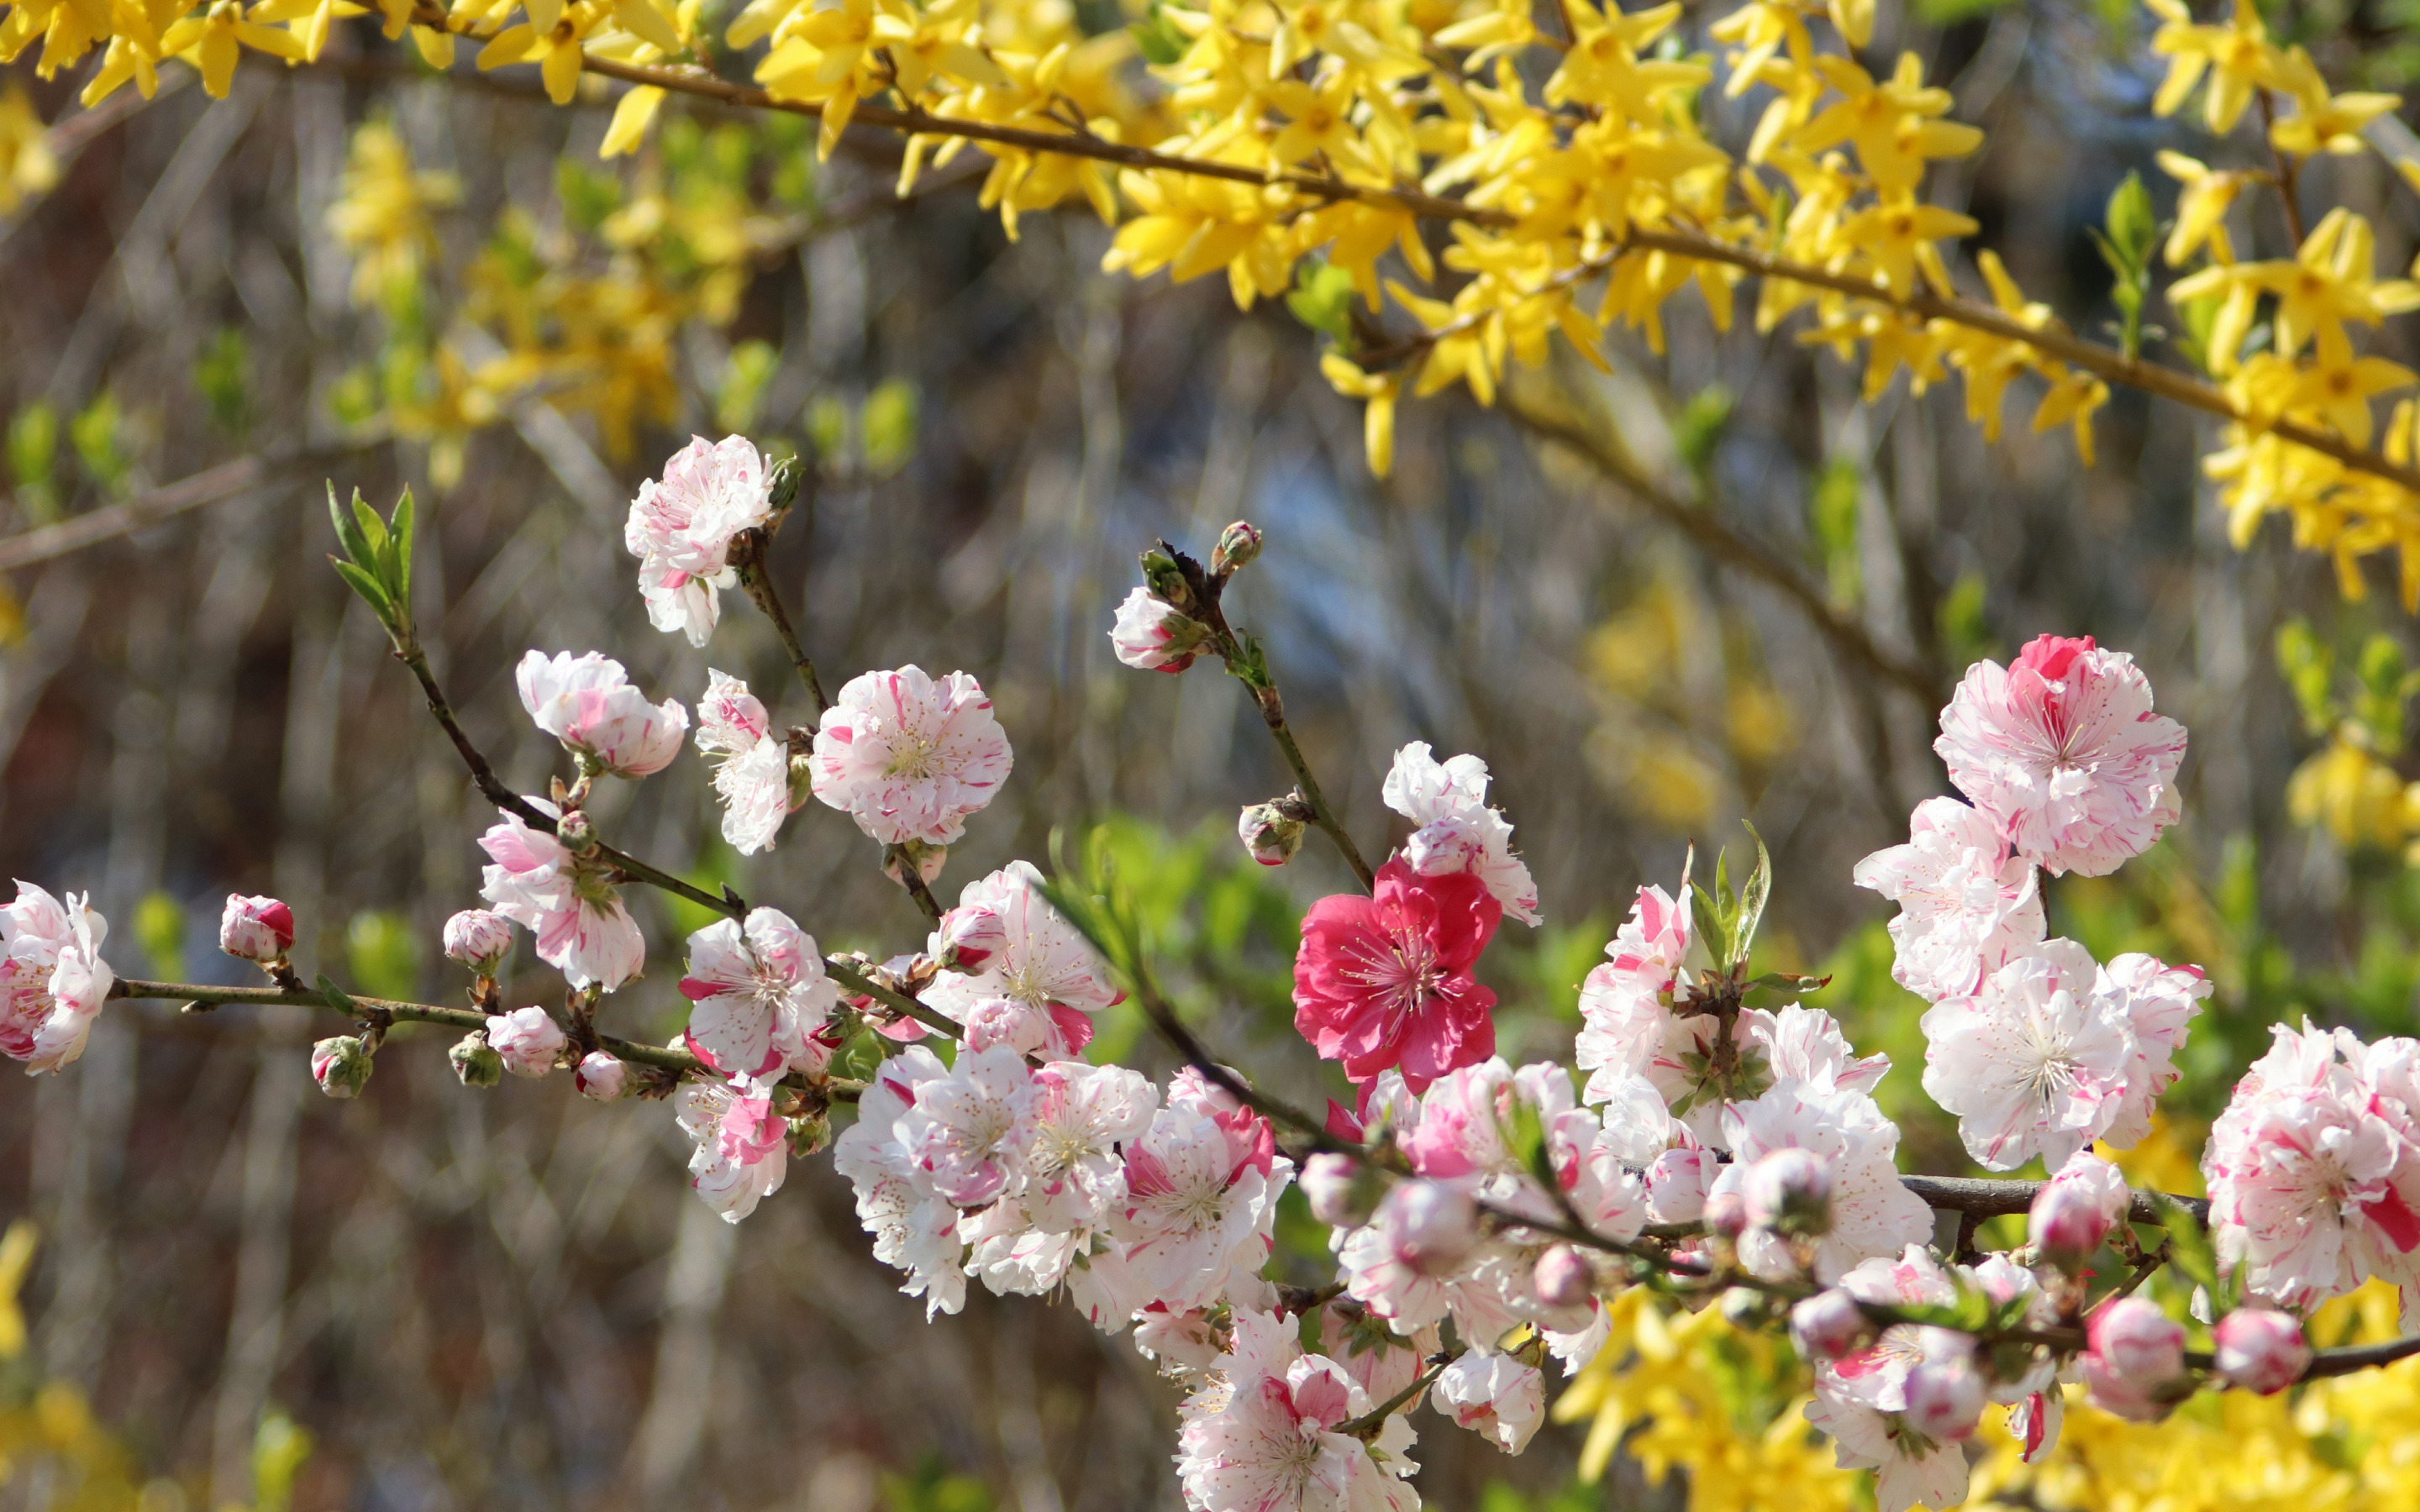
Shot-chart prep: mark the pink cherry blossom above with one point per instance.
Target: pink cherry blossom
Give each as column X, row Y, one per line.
column 1383, row 1362
column 1861, row 1399
column 969, row 1132
column 914, row 1228
column 752, row 764
column 1261, row 1438
column 1829, row 1325
column 588, row 703
column 527, row 1039
column 757, row 993
column 2076, row 1208
column 2063, row 750
column 2034, row 1063
column 1152, row 635
column 479, row 939
column 1083, row 1117
column 259, row 930
column 1454, row 829
column 582, row 930
column 1384, row 980
column 2035, row 1421
column 1871, row 1213
column 1398, row 1264
column 2134, row 1359
column 2159, row 1003
column 1493, row 1395
column 909, row 757
column 601, row 1075
column 2314, row 1186
column 54, row 979
column 2261, row 1349
column 1200, row 1205
column 680, row 530
column 1026, row 953
column 1967, row 904
column 742, row 1151
column 1186, row 1336
column 1910, row 1469
column 1944, row 1398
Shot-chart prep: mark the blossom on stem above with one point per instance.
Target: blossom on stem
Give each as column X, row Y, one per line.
column 2134, row 1359
column 1861, row 1399
column 340, row 1065
column 1966, row 903
column 2075, row 1209
column 2261, row 1349
column 1494, row 1395
column 1023, row 951
column 914, row 1228
column 1385, row 982
column 1871, row 1213
column 969, row 1132
column 588, row 703
column 742, row 1151
column 527, row 1039
column 259, row 930
column 479, row 939
column 2033, row 1062
column 2064, row 749
column 2159, row 1003
column 1457, row 830
column 568, row 902
column 1153, row 635
column 601, row 1075
column 909, row 757
column 53, row 981
column 680, row 528
column 752, row 764
column 1262, row 1436
column 1201, row 1202
column 757, row 993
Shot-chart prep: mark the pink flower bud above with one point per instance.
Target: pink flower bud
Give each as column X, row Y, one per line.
column 1563, row 1278
column 2134, row 1359
column 1789, row 1192
column 1829, row 1325
column 1271, row 834
column 1725, row 1215
column 1429, row 1225
column 967, row 936
column 2261, row 1349
column 1239, row 544
column 1152, row 635
column 527, row 1039
column 259, row 930
column 479, row 939
column 2066, row 1224
column 1944, row 1398
column 929, row 860
column 341, row 1066
column 600, row 1075
column 1339, row 1190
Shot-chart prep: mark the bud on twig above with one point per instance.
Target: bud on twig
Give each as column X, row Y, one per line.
column 1166, row 581
column 600, row 1075
column 1239, row 544
column 1341, row 1191
column 341, row 1065
column 928, row 859
column 479, row 940
column 2261, row 1349
column 259, row 930
column 1273, row 831
column 1563, row 1278
column 1789, row 1192
column 1829, row 1325
column 578, row 836
column 781, row 484
column 476, row 1061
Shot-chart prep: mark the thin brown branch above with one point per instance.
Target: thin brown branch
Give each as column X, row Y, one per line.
column 747, row 559
column 228, row 480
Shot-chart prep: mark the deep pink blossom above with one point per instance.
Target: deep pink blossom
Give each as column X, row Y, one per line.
column 1384, row 980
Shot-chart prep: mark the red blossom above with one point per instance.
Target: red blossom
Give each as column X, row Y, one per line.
column 1384, row 980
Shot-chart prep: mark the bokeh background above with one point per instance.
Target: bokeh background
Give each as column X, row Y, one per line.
column 1708, row 587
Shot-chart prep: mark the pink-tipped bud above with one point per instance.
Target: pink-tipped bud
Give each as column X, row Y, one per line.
column 479, row 939
column 1829, row 1325
column 1340, row 1190
column 969, row 937
column 1239, row 544
column 1153, row 635
column 2134, row 1359
column 1563, row 1278
column 1430, row 1225
column 2261, row 1349
column 1944, row 1398
column 2074, row 1212
column 1789, row 1192
column 1270, row 832
column 1725, row 1215
column 259, row 930
column 527, row 1039
column 341, row 1066
column 600, row 1075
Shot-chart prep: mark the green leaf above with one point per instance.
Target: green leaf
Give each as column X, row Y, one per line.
column 348, row 534
column 400, row 531
column 1322, row 298
column 889, row 427
column 1712, row 924
column 382, row 953
column 2189, row 1247
column 373, row 531
column 334, row 995
column 2134, row 226
column 367, row 586
column 1752, row 900
column 1157, row 39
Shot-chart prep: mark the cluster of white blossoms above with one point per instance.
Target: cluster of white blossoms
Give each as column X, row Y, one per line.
column 1481, row 1217
column 2038, row 1049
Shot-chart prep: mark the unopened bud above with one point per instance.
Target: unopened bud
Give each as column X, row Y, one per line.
column 1789, row 1192
column 1829, row 1325
column 600, row 1075
column 1154, row 636
column 528, row 1039
column 781, row 484
column 1430, row 1225
column 2066, row 1224
column 1269, row 832
column 926, row 856
column 1563, row 1278
column 1341, row 1191
column 578, row 836
column 259, row 930
column 1239, row 544
column 1944, row 1399
column 969, row 937
column 341, row 1066
column 2134, row 1359
column 1725, row 1215
column 1166, row 581
column 476, row 1061
column 810, row 1133
column 479, row 939
column 2261, row 1349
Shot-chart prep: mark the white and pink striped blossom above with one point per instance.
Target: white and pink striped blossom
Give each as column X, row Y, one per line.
column 582, row 930
column 914, row 1228
column 2063, row 750
column 2134, row 1361
column 752, row 764
column 53, row 981
column 909, row 757
column 1025, row 952
column 2261, row 1349
column 527, row 1039
column 478, row 938
column 758, row 994
column 1153, row 635
column 1872, row 1214
column 1454, row 829
column 259, row 930
column 969, row 1132
column 1261, row 1436
column 1624, row 1008
column 601, row 1075
column 680, row 528
column 1967, row 903
column 742, row 1150
column 1862, row 1398
column 2159, row 1003
column 1494, row 1396
column 1200, row 1204
column 588, row 703
column 2033, row 1062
